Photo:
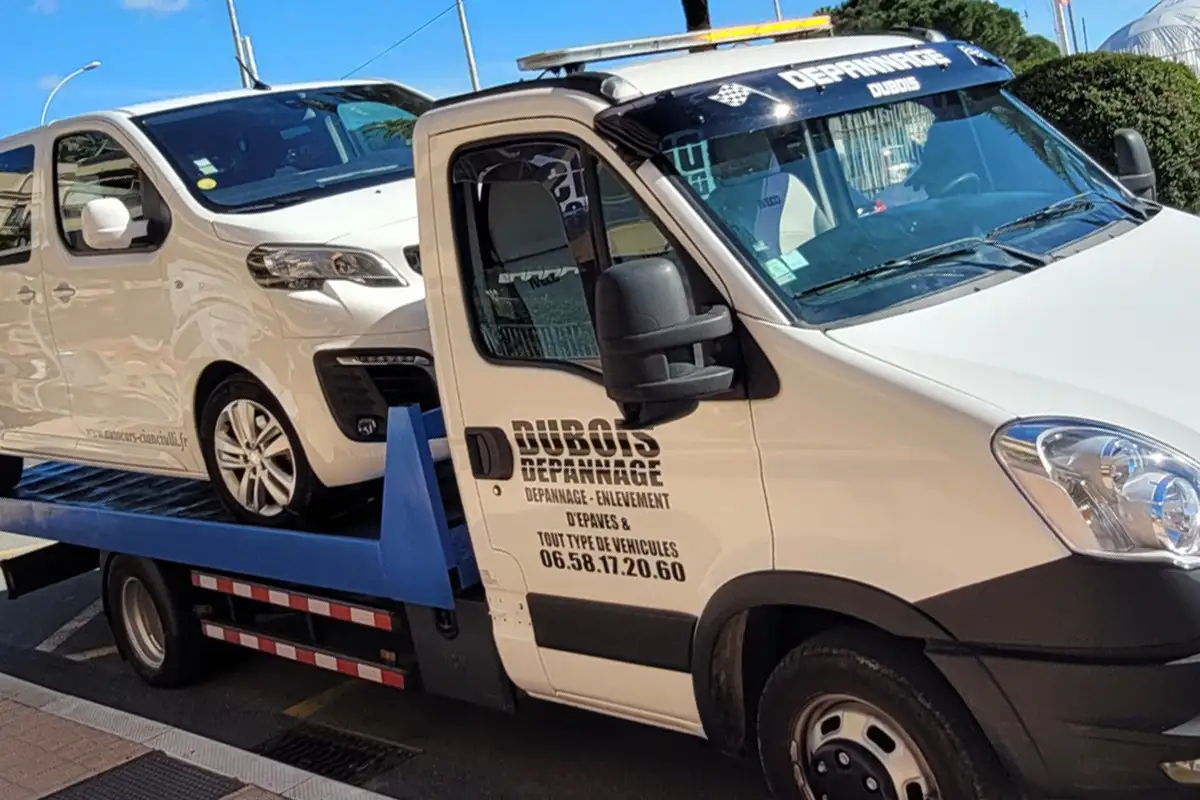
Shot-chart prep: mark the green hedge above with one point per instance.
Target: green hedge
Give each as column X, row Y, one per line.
column 1089, row 96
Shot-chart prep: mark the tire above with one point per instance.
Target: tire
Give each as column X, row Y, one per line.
column 307, row 501
column 867, row 682
column 151, row 620
column 11, row 470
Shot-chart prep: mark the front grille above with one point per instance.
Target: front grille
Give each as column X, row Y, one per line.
column 360, row 387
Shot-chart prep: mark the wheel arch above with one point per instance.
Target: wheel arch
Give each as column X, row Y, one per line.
column 748, row 621
column 208, row 380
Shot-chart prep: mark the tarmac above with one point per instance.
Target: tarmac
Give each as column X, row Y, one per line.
column 60, row 747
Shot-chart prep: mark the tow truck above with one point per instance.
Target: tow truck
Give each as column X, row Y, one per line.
column 720, row 453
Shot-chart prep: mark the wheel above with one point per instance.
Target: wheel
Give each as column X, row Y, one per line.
column 254, row 457
column 11, row 470
column 152, row 623
column 851, row 715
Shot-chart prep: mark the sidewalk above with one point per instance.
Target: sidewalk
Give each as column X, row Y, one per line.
column 60, row 747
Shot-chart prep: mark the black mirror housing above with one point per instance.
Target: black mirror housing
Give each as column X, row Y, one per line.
column 647, row 335
column 1135, row 169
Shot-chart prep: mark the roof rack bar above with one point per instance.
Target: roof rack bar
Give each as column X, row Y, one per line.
column 573, row 59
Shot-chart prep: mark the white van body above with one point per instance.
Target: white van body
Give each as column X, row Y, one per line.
column 116, row 331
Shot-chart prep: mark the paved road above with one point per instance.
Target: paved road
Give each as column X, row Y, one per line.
column 544, row 751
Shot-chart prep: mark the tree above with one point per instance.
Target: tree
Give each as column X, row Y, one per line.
column 1089, row 96
column 996, row 29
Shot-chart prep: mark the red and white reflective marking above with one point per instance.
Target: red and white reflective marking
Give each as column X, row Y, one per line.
column 359, row 615
column 387, row 676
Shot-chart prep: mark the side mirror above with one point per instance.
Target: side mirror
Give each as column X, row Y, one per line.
column 647, row 336
column 1134, row 167
column 106, row 224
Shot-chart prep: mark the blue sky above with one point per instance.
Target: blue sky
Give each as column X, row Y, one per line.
column 162, row 48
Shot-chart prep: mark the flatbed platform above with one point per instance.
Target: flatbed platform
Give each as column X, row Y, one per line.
column 406, row 546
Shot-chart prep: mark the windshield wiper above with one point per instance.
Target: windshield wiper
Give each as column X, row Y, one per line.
column 929, row 255
column 1068, row 206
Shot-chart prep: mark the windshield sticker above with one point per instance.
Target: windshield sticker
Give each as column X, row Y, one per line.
column 205, row 166
column 206, row 184
column 816, row 76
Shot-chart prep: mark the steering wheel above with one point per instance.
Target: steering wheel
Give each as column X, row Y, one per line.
column 958, row 185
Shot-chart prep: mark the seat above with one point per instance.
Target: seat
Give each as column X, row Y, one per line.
column 532, row 259
column 773, row 207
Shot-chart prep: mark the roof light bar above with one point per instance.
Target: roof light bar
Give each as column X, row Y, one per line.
column 573, row 58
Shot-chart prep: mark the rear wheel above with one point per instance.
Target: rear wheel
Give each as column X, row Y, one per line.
column 11, row 470
column 852, row 715
column 254, row 457
column 151, row 619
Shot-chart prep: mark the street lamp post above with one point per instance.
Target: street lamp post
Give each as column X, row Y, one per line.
column 85, row 68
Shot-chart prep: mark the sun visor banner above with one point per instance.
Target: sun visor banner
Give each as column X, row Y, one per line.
column 822, row 88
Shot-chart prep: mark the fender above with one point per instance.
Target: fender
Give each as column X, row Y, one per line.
column 717, row 666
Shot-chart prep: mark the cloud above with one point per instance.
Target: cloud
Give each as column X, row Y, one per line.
column 159, row 6
column 48, row 82
column 45, row 6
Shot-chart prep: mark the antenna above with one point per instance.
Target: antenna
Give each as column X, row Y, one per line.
column 255, row 83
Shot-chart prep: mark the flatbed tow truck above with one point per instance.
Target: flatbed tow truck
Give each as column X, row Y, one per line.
column 686, row 487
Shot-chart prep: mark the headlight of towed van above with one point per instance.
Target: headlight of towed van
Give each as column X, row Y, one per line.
column 279, row 267
column 1106, row 491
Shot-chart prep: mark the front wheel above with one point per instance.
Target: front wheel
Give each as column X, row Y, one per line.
column 254, row 457
column 851, row 715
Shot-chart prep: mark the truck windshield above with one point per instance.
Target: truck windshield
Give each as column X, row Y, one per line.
column 269, row 150
column 855, row 212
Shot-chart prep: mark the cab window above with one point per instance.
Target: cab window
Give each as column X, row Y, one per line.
column 530, row 238
column 91, row 165
column 16, row 210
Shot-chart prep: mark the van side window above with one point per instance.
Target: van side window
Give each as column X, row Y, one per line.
column 91, row 165
column 16, row 206
column 529, row 263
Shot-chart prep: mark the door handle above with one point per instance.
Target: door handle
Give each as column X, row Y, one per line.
column 64, row 292
column 26, row 295
column 490, row 453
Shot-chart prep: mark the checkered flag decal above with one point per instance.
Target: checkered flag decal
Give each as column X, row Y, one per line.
column 735, row 95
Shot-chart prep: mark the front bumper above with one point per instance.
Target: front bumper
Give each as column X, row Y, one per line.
column 1091, row 731
column 361, row 384
column 1090, row 678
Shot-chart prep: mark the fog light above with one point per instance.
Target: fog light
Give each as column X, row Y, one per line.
column 367, row 426
column 1183, row 771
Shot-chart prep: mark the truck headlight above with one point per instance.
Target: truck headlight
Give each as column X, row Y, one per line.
column 308, row 267
column 1132, row 497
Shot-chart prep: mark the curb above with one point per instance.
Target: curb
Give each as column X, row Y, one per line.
column 289, row 782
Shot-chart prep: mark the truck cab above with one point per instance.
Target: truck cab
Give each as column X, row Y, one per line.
column 748, row 457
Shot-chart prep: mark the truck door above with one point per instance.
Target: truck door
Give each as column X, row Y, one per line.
column 612, row 540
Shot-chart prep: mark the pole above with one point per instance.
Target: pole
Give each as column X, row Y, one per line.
column 1071, row 20
column 778, row 11
column 86, row 67
column 248, row 49
column 1086, row 47
column 466, row 33
column 1060, row 28
column 237, row 43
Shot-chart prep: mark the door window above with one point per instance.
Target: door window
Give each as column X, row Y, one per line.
column 525, row 218
column 91, row 165
column 16, row 208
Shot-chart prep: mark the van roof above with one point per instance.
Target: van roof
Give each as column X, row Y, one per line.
column 170, row 104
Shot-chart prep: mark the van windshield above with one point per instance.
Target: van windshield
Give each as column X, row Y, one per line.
column 268, row 150
column 850, row 203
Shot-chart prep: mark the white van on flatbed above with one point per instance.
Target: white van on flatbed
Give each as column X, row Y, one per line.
column 216, row 287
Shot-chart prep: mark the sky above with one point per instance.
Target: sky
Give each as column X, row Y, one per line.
column 151, row 49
